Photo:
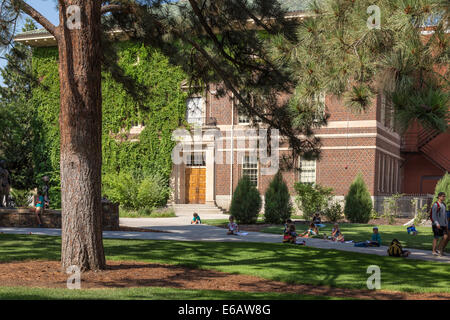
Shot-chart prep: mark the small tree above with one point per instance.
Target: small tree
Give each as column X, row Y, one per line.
column 277, row 206
column 312, row 198
column 391, row 207
column 246, row 202
column 358, row 203
column 443, row 185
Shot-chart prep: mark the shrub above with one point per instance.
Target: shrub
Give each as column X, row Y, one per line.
column 277, row 206
column 358, row 203
column 139, row 193
column 391, row 208
column 21, row 198
column 443, row 185
column 333, row 213
column 312, row 198
column 246, row 202
column 153, row 192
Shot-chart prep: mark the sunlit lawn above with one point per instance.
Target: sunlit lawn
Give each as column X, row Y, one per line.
column 281, row 262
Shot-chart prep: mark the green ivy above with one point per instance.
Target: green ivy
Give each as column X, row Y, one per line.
column 162, row 111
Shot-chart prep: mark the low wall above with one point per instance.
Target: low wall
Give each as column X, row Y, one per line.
column 26, row 218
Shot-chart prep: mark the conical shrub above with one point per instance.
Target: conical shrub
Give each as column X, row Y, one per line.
column 358, row 203
column 246, row 202
column 277, row 206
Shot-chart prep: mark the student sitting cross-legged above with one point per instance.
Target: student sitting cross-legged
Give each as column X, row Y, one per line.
column 233, row 228
column 311, row 232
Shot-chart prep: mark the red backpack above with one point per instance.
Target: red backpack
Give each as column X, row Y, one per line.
column 431, row 210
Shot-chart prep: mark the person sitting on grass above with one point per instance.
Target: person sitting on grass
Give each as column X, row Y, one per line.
column 287, row 224
column 196, row 219
column 233, row 228
column 396, row 250
column 290, row 236
column 336, row 234
column 375, row 241
column 318, row 221
column 311, row 232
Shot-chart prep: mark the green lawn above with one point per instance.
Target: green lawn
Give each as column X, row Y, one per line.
column 147, row 293
column 281, row 262
column 361, row 232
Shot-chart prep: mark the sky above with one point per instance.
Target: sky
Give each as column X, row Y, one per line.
column 47, row 8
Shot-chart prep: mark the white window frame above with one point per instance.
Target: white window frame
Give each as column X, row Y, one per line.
column 301, row 170
column 191, row 158
column 196, row 121
column 249, row 168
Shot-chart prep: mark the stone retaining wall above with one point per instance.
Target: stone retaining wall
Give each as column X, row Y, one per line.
column 52, row 218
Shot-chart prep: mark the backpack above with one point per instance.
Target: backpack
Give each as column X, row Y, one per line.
column 395, row 249
column 431, row 211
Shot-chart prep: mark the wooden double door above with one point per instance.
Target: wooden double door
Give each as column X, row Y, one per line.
column 195, row 185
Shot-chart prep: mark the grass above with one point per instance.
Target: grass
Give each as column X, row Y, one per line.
column 146, row 293
column 145, row 213
column 361, row 232
column 280, row 262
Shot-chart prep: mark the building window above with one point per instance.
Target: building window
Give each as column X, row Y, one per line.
column 195, row 159
column 307, row 171
column 379, row 172
column 194, row 108
column 250, row 169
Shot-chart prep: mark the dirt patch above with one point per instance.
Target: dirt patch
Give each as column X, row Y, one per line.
column 127, row 274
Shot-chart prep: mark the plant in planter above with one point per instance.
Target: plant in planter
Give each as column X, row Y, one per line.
column 21, row 198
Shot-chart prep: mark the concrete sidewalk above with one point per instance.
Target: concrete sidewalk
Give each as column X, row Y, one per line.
column 215, row 234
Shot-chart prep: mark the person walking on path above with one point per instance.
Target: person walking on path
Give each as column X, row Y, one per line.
column 440, row 225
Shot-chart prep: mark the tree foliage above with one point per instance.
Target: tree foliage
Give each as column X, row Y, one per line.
column 312, row 198
column 443, row 185
column 17, row 117
column 246, row 202
column 163, row 111
column 336, row 52
column 358, row 203
column 277, row 201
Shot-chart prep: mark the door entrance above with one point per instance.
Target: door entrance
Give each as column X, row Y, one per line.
column 195, row 185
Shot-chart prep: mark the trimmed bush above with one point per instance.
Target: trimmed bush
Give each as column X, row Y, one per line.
column 137, row 193
column 358, row 203
column 333, row 213
column 311, row 198
column 277, row 206
column 246, row 202
column 443, row 185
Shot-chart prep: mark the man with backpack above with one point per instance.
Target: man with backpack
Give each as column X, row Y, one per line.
column 439, row 225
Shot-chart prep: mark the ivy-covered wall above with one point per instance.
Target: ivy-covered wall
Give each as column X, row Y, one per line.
column 161, row 111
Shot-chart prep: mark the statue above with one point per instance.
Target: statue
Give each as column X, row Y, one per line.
column 5, row 184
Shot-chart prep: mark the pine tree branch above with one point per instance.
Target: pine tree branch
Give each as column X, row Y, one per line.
column 37, row 16
column 115, row 8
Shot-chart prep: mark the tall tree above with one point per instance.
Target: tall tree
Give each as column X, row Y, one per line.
column 222, row 41
column 344, row 50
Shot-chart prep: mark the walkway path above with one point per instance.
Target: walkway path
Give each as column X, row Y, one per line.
column 189, row 232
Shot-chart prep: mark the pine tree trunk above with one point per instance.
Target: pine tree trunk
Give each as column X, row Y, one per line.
column 81, row 128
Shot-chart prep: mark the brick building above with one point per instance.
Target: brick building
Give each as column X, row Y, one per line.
column 351, row 143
